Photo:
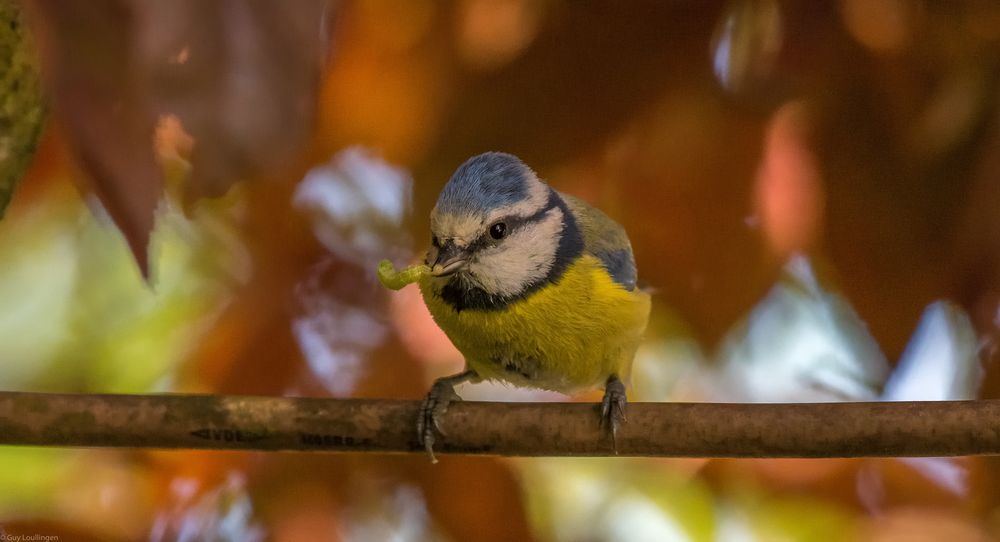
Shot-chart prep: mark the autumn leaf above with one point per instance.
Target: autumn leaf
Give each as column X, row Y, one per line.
column 242, row 78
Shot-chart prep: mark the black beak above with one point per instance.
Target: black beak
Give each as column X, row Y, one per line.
column 450, row 258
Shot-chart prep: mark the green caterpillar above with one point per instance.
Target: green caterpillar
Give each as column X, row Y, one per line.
column 394, row 280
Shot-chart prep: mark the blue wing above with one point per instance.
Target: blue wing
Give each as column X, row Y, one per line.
column 620, row 265
column 606, row 240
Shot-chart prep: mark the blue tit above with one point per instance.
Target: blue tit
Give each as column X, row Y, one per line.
column 534, row 287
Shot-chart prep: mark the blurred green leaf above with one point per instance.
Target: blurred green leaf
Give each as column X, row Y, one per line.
column 616, row 499
column 78, row 316
column 37, row 280
column 29, row 478
column 135, row 335
column 21, row 102
column 802, row 519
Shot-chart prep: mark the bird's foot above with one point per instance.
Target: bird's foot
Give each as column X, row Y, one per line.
column 613, row 408
column 434, row 406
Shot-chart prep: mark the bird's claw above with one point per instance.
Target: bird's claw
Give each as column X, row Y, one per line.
column 433, row 408
column 613, row 408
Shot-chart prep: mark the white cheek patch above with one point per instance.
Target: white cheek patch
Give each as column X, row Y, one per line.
column 523, row 258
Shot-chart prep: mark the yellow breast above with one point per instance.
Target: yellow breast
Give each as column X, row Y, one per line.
column 566, row 336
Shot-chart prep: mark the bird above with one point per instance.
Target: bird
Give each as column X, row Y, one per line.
column 535, row 288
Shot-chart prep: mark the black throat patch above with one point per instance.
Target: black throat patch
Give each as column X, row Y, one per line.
column 462, row 297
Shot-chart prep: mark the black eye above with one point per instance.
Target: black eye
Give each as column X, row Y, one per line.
column 435, row 242
column 498, row 230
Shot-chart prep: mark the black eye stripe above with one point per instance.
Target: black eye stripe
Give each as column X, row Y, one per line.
column 512, row 224
column 515, row 223
column 552, row 203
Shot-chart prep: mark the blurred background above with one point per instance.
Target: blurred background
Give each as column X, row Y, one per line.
column 812, row 190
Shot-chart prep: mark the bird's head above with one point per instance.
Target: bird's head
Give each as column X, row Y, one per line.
column 496, row 228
